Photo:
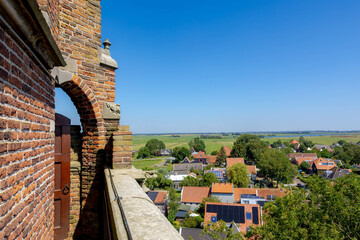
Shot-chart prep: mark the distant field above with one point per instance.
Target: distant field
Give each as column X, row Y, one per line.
column 216, row 144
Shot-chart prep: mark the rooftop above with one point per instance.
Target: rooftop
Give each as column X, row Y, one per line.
column 222, row 188
column 194, row 194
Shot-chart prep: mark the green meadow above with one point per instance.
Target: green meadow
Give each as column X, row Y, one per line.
column 215, row 144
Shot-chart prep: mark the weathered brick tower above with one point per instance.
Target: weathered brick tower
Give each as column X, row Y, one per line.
column 43, row 44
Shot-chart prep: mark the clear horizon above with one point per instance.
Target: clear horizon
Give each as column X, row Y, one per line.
column 243, row 66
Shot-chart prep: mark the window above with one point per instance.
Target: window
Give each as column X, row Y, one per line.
column 271, row 197
column 248, row 215
column 246, row 202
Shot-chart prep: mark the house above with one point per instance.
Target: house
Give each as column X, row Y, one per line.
column 165, row 152
column 184, row 168
column 193, row 196
column 243, row 215
column 177, row 179
column 218, row 173
column 307, row 155
column 232, row 161
column 298, row 160
column 321, row 165
column 335, row 173
column 200, row 157
column 227, row 151
column 211, row 159
column 295, row 143
column 224, row 191
column 242, row 195
column 252, row 172
column 192, row 151
column 182, row 211
column 322, row 147
column 186, row 160
column 160, row 200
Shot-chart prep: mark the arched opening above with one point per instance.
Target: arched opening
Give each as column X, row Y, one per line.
column 75, row 100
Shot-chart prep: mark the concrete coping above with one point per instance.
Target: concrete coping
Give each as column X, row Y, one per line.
column 144, row 219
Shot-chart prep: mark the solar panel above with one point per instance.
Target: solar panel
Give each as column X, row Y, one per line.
column 255, row 211
column 228, row 213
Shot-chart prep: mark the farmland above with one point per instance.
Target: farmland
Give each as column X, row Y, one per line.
column 216, row 144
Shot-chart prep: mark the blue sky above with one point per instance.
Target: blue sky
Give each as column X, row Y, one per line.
column 223, row 66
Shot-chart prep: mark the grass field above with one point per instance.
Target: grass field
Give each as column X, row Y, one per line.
column 216, row 144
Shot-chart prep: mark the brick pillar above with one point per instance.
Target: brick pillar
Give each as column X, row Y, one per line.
column 75, row 179
column 122, row 148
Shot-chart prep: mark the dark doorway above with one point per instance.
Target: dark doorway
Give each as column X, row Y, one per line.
column 62, row 177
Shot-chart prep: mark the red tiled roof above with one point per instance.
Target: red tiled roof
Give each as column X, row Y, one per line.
column 294, row 142
column 264, row 192
column 239, row 191
column 322, row 164
column 227, row 150
column 161, row 197
column 222, row 188
column 232, row 161
column 299, row 160
column 251, row 169
column 312, row 155
column 200, row 155
column 194, row 194
column 210, row 159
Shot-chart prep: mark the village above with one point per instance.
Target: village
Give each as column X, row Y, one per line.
column 208, row 189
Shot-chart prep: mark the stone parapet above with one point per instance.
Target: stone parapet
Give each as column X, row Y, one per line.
column 132, row 213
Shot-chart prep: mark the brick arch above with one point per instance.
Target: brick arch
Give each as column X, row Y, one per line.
column 85, row 102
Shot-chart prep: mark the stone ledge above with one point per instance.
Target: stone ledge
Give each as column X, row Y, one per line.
column 144, row 219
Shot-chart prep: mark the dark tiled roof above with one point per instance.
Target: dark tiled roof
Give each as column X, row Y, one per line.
column 194, row 233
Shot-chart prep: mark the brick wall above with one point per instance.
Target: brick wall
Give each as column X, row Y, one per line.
column 26, row 144
column 75, row 179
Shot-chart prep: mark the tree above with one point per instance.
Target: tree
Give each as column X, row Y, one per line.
column 197, row 144
column 219, row 230
column 173, row 205
column 159, row 182
column 249, row 147
column 155, row 146
column 221, row 157
column 143, row 153
column 349, row 153
column 287, row 150
column 201, row 209
column 276, row 165
column 276, row 144
column 179, row 153
column 329, row 210
column 190, row 182
column 304, row 166
column 239, row 175
column 325, row 153
column 214, row 153
column 192, row 222
column 208, row 179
